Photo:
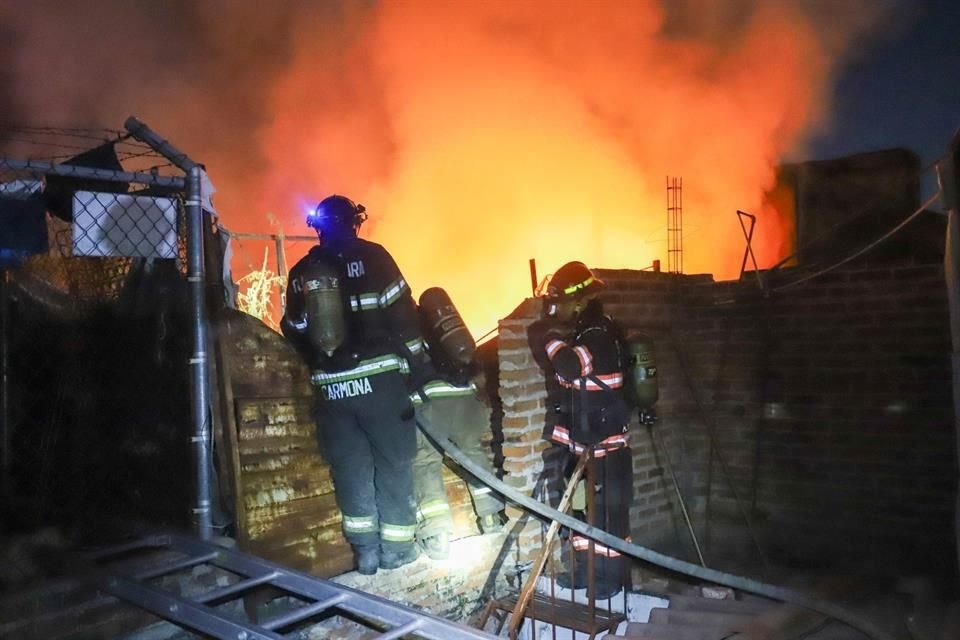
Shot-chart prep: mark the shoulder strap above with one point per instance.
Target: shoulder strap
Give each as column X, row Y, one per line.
column 609, row 326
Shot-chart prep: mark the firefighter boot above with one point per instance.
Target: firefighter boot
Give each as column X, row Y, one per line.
column 437, row 546
column 605, row 590
column 368, row 558
column 395, row 557
column 609, row 578
column 491, row 523
column 575, row 579
column 605, row 586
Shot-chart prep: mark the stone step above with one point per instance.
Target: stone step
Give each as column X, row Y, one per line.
column 707, row 619
column 658, row 631
column 698, row 603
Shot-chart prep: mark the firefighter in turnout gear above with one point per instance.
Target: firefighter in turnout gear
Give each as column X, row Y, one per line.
column 450, row 403
column 581, row 351
column 361, row 354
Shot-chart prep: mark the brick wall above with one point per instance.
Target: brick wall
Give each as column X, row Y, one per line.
column 822, row 411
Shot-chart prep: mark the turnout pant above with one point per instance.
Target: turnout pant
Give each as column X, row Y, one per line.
column 612, row 478
column 463, row 419
column 369, row 439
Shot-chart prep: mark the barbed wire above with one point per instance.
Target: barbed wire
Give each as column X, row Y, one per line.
column 94, row 133
column 51, row 144
column 46, row 139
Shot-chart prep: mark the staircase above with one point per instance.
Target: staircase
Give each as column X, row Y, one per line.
column 712, row 613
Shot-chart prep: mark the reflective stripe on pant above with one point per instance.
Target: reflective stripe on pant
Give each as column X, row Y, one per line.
column 369, row 440
column 433, row 510
column 464, row 420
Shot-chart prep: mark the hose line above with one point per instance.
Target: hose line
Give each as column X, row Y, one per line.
column 749, row 585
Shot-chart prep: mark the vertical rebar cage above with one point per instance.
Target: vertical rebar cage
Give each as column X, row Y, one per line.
column 104, row 385
column 674, row 224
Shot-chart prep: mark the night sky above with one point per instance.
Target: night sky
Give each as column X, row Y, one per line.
column 905, row 91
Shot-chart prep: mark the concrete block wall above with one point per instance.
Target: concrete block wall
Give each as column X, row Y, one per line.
column 821, row 412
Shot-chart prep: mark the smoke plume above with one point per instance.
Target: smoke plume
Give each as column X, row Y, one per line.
column 478, row 134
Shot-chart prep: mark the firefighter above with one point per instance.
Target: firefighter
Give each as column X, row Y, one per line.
column 364, row 417
column 451, row 403
column 580, row 349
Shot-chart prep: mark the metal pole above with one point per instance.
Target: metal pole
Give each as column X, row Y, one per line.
column 949, row 178
column 533, row 276
column 90, row 173
column 199, row 378
column 657, row 442
column 5, row 425
column 149, row 137
column 282, row 272
column 269, row 236
column 748, row 235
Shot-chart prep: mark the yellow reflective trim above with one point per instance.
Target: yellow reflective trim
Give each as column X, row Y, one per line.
column 360, row 524
column 397, row 532
column 434, row 507
column 576, row 287
column 365, row 368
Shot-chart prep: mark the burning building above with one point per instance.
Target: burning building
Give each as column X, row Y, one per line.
column 805, row 407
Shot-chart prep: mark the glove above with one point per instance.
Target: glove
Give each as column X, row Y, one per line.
column 542, row 331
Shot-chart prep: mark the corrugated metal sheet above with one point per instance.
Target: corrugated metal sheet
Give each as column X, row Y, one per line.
column 285, row 504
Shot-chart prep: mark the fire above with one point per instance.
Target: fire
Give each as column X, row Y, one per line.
column 481, row 135
column 478, row 134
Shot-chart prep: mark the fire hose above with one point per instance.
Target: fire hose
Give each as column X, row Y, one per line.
column 749, row 585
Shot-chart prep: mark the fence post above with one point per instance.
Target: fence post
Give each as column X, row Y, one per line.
column 282, row 271
column 7, row 429
column 199, row 365
column 949, row 179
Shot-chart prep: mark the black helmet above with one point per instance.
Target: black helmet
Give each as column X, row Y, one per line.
column 336, row 215
column 573, row 280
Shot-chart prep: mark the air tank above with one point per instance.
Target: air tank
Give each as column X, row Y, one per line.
column 444, row 328
column 643, row 370
column 326, row 322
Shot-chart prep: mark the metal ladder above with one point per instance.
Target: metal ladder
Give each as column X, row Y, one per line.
column 118, row 572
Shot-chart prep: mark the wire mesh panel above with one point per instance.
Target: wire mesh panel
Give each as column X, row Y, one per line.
column 98, row 340
column 106, row 224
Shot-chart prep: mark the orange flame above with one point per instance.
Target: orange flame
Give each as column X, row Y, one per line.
column 480, row 135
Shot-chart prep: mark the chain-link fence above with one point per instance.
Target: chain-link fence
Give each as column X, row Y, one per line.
column 99, row 390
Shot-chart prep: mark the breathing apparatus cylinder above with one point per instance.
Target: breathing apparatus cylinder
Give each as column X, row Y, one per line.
column 643, row 371
column 444, row 328
column 323, row 298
